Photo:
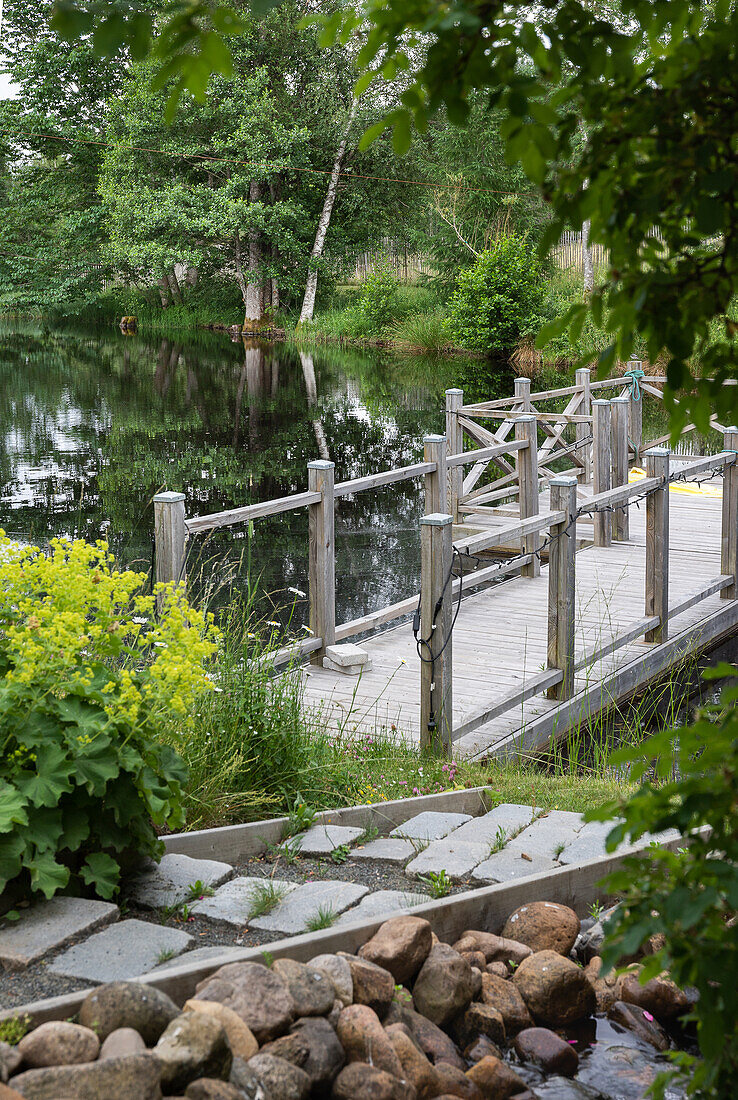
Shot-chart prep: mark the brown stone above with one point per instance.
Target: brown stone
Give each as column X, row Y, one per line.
column 279, row 1078
column 128, row 1004
column 339, row 972
column 401, row 946
column 499, row 969
column 480, row 1019
column 476, row 974
column 505, row 997
column 7, row 1093
column 293, row 1048
column 364, row 1082
column 660, row 996
column 132, row 1078
column 641, row 1023
column 58, row 1043
column 495, row 1079
column 240, row 1037
column 454, row 1082
column 475, row 958
column 435, row 1044
column 548, row 1050
column 121, row 1043
column 480, row 1048
column 494, row 948
column 194, row 1045
column 312, row 991
column 444, row 987
column 364, row 1039
column 415, row 1066
column 209, row 1088
column 544, row 926
column 373, row 985
column 260, row 997
column 555, row 989
column 10, row 1060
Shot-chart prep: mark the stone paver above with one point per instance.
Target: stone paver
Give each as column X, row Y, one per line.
column 535, row 849
column 322, row 839
column 125, row 950
column 234, row 901
column 459, row 853
column 308, row 902
column 589, row 843
column 49, row 925
column 505, row 865
column 506, row 818
column 430, row 825
column 381, row 902
column 201, row 955
column 168, row 882
column 390, row 849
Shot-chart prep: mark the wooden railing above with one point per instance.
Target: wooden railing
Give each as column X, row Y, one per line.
column 607, row 434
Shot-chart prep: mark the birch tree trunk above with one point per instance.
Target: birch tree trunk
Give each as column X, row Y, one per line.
column 308, row 302
column 587, row 261
column 254, row 298
column 174, row 286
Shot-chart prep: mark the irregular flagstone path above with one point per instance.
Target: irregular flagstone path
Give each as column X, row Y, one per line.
column 509, row 842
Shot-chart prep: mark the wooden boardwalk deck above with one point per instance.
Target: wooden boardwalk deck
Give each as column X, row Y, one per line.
column 499, row 641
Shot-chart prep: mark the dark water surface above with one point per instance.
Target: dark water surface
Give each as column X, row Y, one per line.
column 93, row 424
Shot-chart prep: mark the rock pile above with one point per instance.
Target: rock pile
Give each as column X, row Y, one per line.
column 407, row 1018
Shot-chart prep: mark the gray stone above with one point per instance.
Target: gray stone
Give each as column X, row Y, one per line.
column 506, row 865
column 132, row 1078
column 508, row 817
column 304, row 903
column 381, row 903
column 194, row 1045
column 347, row 654
column 122, row 1043
column 201, row 954
column 246, row 1080
column 322, row 839
column 280, row 1079
column 126, row 950
column 430, row 825
column 234, row 901
column 168, row 882
column 128, row 1005
column 388, row 849
column 49, row 925
column 339, row 972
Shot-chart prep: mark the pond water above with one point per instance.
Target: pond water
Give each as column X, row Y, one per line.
column 93, row 424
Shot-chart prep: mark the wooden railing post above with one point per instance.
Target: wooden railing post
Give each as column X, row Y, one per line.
column 526, row 462
column 583, row 431
column 561, row 585
column 657, row 545
column 601, row 468
column 522, row 393
column 436, row 484
column 729, row 535
column 454, row 446
column 436, row 702
column 322, row 551
column 619, row 408
column 170, row 536
column 635, row 415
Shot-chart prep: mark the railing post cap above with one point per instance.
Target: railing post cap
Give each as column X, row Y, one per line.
column 731, row 430
column 521, row 380
column 436, row 519
column 565, row 480
column 601, row 401
column 168, row 498
column 321, row 464
column 434, row 438
column 658, row 452
column 583, row 370
column 453, row 391
column 524, row 418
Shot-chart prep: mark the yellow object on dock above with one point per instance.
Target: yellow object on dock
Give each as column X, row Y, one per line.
column 636, row 474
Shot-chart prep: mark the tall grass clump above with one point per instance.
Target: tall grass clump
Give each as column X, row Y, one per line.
column 422, row 331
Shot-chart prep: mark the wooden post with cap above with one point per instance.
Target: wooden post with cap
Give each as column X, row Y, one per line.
column 170, row 537
column 322, row 556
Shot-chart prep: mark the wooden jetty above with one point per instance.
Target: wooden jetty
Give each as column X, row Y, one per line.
column 612, row 580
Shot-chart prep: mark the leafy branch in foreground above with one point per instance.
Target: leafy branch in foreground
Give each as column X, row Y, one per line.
column 690, row 895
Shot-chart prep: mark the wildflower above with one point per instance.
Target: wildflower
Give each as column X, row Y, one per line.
column 273, row 622
column 296, row 592
column 306, row 629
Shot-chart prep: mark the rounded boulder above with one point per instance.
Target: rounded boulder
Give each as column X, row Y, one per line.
column 556, row 991
column 543, row 926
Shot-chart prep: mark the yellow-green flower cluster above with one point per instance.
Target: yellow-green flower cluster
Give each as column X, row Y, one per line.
column 67, row 613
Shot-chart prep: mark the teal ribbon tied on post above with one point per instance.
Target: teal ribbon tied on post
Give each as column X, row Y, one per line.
column 635, row 377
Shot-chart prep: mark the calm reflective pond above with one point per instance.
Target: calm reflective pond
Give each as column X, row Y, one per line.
column 93, row 424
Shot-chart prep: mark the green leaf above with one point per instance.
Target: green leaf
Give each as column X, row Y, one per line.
column 12, row 808
column 373, row 133
column 47, row 876
column 51, row 779
column 11, row 850
column 101, row 871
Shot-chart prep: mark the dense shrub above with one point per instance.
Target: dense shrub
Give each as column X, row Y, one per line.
column 89, row 675
column 379, row 301
column 690, row 895
column 498, row 300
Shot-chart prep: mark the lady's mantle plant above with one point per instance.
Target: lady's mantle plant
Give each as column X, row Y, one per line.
column 89, row 677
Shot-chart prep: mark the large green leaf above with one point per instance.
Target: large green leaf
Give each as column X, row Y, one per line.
column 47, row 875
column 12, row 807
column 50, row 781
column 101, row 871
